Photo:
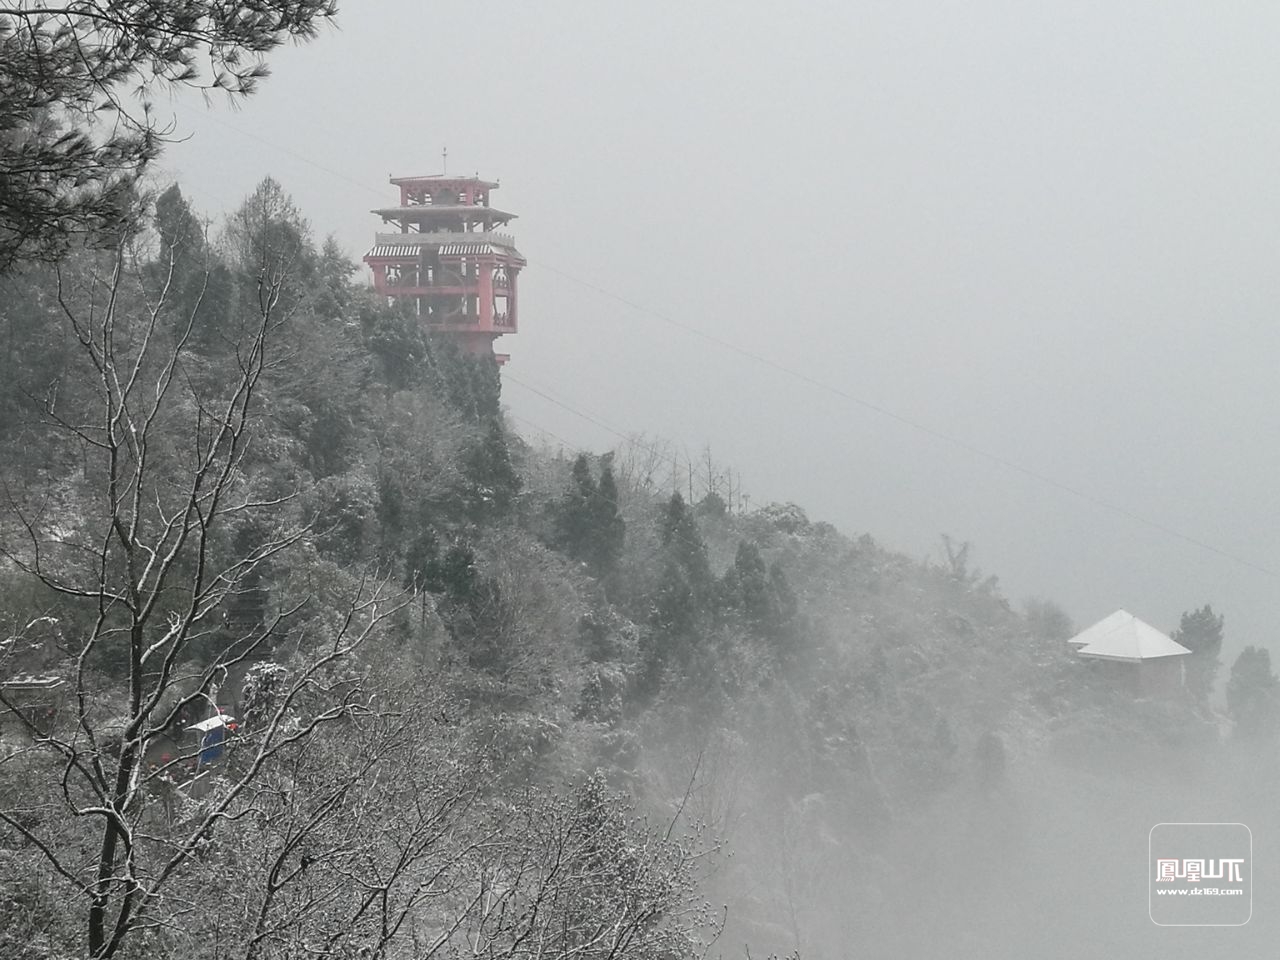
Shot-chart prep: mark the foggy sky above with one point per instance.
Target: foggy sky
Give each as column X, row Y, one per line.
column 1051, row 234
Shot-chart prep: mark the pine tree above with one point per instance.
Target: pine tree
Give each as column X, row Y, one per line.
column 180, row 232
column 396, row 340
column 746, row 588
column 335, row 291
column 588, row 524
column 573, row 517
column 490, row 480
column 1253, row 692
column 683, row 596
column 270, row 237
column 678, row 531
column 610, row 530
column 65, row 174
column 1201, row 632
column 760, row 597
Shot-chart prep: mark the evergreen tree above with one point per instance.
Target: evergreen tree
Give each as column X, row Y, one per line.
column 322, row 393
column 486, row 386
column 676, row 607
column 760, row 598
column 1252, row 693
column 33, row 346
column 335, row 291
column 683, row 594
column 574, row 513
column 490, row 480
column 270, row 239
column 181, row 235
column 471, row 384
column 65, row 174
column 712, row 506
column 678, row 531
column 1201, row 632
column 609, row 527
column 470, row 604
column 588, row 524
column 746, row 588
column 188, row 266
column 395, row 339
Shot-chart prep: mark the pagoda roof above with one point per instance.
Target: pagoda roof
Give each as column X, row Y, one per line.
column 1122, row 636
column 425, row 210
column 394, row 251
column 480, row 249
column 439, row 179
column 411, row 246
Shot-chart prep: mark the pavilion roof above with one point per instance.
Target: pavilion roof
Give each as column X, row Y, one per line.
column 1101, row 628
column 1122, row 636
column 220, row 720
column 441, row 180
column 458, row 245
column 419, row 211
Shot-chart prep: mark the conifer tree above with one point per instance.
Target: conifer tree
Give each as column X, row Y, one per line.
column 1201, row 632
column 180, row 232
column 77, row 131
column 573, row 519
column 491, row 482
column 609, row 528
column 760, row 597
column 678, row 531
column 589, row 526
column 684, row 590
column 746, row 588
column 1253, row 693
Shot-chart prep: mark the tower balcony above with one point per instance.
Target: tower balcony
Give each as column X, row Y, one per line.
column 501, row 323
column 410, row 287
column 454, row 217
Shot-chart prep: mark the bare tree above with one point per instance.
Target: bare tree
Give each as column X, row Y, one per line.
column 579, row 877
column 640, row 464
column 144, row 561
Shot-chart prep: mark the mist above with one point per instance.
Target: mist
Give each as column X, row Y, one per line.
column 867, row 354
column 1045, row 233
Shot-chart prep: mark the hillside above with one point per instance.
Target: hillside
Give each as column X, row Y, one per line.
column 486, row 693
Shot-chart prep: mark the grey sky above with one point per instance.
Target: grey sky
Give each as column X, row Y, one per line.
column 1050, row 231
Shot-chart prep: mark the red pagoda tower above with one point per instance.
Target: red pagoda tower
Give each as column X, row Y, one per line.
column 448, row 261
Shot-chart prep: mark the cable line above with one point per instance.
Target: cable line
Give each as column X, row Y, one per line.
column 947, row 438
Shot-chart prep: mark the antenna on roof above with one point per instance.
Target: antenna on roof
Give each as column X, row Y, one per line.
column 444, row 162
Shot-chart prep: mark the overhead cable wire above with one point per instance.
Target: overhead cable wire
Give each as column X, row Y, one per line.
column 941, row 436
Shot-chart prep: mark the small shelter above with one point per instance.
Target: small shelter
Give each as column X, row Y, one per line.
column 213, row 732
column 37, row 698
column 1135, row 654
